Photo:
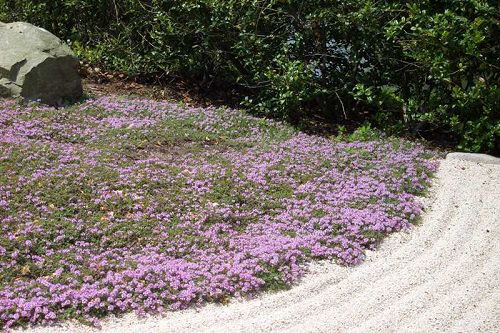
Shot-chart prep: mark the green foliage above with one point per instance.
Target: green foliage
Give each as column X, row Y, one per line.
column 453, row 76
column 273, row 279
column 364, row 133
column 401, row 65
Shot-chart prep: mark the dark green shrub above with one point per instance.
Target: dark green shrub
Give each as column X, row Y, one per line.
column 452, row 77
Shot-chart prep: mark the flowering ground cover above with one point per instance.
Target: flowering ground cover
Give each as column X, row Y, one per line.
column 119, row 205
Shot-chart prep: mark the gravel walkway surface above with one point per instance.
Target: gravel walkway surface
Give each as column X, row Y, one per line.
column 443, row 276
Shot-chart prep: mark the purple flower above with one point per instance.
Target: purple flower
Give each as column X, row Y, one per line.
column 147, row 206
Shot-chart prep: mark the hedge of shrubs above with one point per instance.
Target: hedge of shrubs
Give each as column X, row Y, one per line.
column 405, row 66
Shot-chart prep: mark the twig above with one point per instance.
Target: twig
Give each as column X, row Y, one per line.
column 342, row 104
column 116, row 12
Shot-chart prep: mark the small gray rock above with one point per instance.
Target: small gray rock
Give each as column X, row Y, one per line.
column 472, row 157
column 36, row 65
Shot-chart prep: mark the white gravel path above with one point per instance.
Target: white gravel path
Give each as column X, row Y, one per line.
column 442, row 276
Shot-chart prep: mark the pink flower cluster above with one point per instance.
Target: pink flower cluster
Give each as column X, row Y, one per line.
column 120, row 205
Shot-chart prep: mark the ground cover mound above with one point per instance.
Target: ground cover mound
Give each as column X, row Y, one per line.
column 120, row 205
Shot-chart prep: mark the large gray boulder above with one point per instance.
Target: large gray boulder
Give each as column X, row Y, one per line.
column 36, row 65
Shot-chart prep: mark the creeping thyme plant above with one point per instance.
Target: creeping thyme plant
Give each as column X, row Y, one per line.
column 119, row 205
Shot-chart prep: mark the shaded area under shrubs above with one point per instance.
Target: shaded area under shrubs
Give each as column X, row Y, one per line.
column 423, row 67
